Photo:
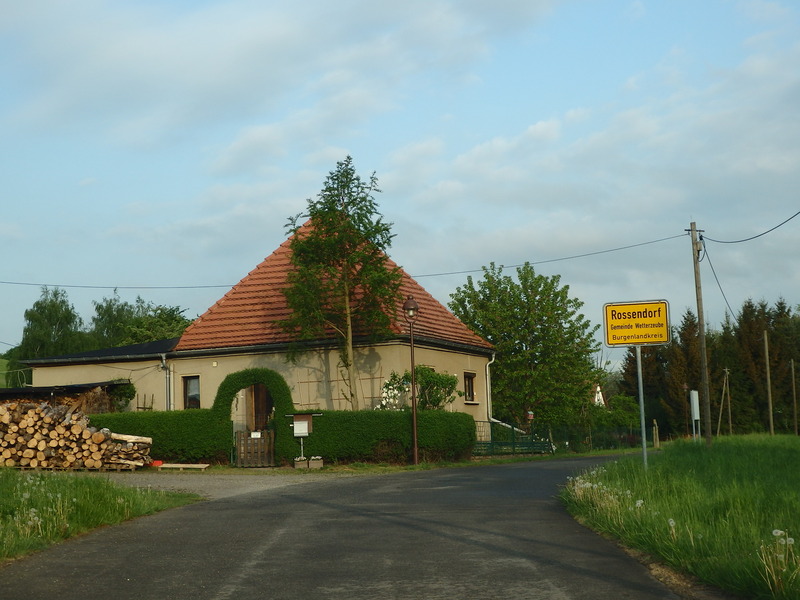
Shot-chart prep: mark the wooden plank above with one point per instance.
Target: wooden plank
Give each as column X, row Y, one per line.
column 182, row 466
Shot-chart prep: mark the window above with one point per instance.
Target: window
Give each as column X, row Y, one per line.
column 191, row 392
column 469, row 387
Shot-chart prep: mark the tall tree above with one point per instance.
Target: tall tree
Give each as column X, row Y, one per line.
column 342, row 284
column 544, row 344
column 754, row 320
column 682, row 374
column 112, row 315
column 654, row 368
column 52, row 328
column 120, row 323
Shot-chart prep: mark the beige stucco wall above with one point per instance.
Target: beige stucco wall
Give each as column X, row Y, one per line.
column 314, row 379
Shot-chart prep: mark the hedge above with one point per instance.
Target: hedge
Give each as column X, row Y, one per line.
column 282, row 403
column 385, row 436
column 369, row 436
column 193, row 435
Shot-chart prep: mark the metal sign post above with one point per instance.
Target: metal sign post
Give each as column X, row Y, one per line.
column 637, row 324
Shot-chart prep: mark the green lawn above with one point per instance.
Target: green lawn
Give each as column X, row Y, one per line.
column 726, row 514
column 38, row 509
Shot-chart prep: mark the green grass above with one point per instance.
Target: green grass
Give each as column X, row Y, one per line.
column 38, row 509
column 725, row 514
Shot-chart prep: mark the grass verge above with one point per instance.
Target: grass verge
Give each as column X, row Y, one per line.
column 724, row 514
column 41, row 508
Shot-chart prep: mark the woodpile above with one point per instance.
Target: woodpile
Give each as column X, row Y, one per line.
column 58, row 436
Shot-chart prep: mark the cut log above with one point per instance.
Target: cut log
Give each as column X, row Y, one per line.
column 60, row 437
column 131, row 438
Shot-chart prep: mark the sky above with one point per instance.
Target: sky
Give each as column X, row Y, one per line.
column 159, row 148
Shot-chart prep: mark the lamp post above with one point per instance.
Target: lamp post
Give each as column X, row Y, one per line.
column 411, row 310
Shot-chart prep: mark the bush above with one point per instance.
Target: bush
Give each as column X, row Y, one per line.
column 385, row 436
column 194, row 435
column 282, row 405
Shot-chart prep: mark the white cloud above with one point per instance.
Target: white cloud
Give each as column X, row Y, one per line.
column 146, row 70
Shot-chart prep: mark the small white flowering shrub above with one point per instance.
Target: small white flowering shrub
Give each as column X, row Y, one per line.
column 394, row 392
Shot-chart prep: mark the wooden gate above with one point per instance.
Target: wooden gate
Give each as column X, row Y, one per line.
column 255, row 451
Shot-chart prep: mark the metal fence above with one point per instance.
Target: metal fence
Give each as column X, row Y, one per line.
column 495, row 438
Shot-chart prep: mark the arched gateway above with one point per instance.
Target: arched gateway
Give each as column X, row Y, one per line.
column 267, row 400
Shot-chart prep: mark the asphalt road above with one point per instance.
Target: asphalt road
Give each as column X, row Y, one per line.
column 477, row 532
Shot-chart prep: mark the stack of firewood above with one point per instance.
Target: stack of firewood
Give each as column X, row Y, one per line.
column 59, row 437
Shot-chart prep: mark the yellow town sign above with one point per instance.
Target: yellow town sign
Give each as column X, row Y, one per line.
column 637, row 323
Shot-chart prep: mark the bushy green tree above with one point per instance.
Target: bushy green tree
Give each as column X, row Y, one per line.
column 342, row 284
column 52, row 328
column 120, row 323
column 682, row 374
column 544, row 344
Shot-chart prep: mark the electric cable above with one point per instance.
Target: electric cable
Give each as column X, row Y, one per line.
column 755, row 236
column 551, row 260
column 198, row 287
column 714, row 271
column 116, row 287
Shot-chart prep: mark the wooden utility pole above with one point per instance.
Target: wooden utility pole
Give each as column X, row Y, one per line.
column 697, row 246
column 730, row 418
column 725, row 389
column 769, row 384
column 794, row 398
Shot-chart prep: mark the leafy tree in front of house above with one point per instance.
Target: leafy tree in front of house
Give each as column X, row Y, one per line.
column 544, row 344
column 342, row 285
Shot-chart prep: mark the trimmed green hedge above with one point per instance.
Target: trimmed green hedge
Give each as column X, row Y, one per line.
column 385, row 436
column 194, row 435
column 367, row 436
column 281, row 398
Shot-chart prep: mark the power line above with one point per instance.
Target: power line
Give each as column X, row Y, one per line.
column 200, row 287
column 755, row 236
column 551, row 260
column 713, row 270
column 116, row 287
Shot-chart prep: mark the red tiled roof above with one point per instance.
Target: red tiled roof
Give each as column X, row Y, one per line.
column 249, row 313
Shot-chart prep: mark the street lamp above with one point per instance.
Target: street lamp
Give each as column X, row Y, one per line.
column 411, row 310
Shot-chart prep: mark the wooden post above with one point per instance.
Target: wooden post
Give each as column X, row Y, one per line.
column 706, row 395
column 794, row 398
column 769, row 384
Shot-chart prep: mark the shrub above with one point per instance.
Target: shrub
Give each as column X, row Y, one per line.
column 192, row 435
column 434, row 390
column 282, row 404
column 122, row 394
column 385, row 436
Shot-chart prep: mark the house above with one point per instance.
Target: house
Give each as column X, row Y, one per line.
column 240, row 332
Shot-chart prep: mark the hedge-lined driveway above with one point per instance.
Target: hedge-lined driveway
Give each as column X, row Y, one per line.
column 476, row 532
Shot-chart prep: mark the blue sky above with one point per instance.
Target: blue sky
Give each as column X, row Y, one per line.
column 150, row 145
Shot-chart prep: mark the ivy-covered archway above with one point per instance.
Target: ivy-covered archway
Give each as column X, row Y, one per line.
column 285, row 445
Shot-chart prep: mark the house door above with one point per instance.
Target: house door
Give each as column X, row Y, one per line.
column 259, row 408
